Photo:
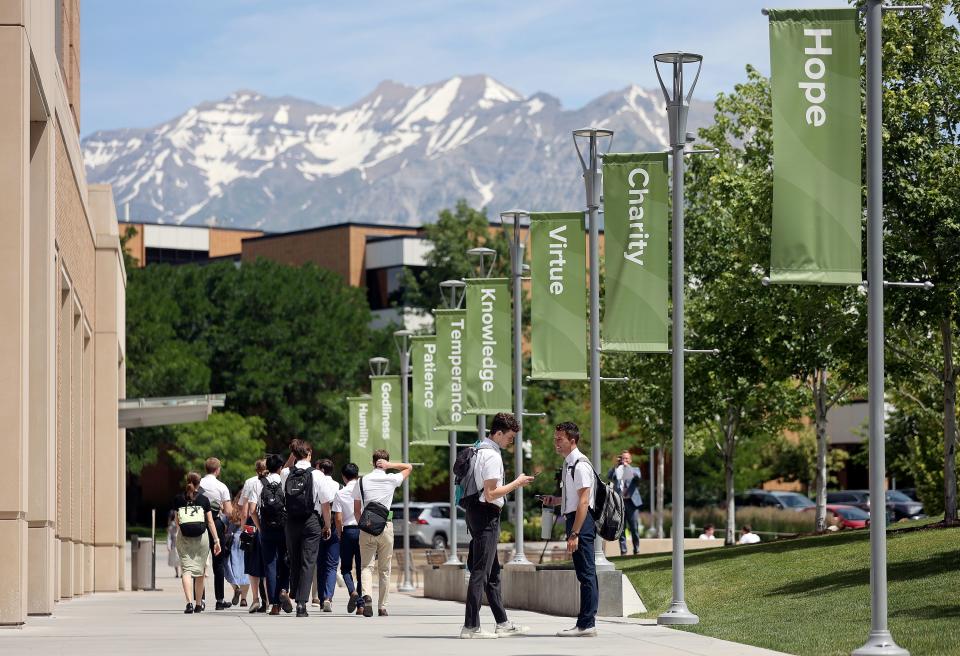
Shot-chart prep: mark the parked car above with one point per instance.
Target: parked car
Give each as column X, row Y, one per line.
column 911, row 492
column 859, row 499
column 774, row 499
column 850, row 516
column 903, row 506
column 429, row 525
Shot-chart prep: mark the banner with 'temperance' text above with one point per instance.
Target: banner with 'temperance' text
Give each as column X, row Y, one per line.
column 451, row 330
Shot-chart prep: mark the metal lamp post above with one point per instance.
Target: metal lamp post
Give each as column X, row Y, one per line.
column 678, row 106
column 452, row 292
column 402, row 340
column 514, row 218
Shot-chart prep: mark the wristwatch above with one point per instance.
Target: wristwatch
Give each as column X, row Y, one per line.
column 574, row 535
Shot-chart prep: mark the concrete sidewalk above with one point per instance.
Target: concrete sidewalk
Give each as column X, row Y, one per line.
column 153, row 623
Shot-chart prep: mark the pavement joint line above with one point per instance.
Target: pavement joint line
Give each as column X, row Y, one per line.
column 255, row 635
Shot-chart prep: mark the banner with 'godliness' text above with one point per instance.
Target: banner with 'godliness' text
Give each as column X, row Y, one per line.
column 423, row 360
column 558, row 298
column 815, row 90
column 450, row 380
column 637, row 243
column 489, row 347
column 387, row 415
column 361, row 448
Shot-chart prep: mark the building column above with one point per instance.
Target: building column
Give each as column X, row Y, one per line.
column 14, row 320
column 76, row 448
column 64, row 430
column 42, row 483
column 89, row 468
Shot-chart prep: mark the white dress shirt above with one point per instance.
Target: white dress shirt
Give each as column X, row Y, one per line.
column 582, row 476
column 343, row 504
column 378, row 486
column 321, row 491
column 488, row 466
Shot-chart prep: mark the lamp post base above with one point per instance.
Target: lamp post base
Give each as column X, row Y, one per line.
column 406, row 587
column 880, row 643
column 453, row 560
column 520, row 560
column 677, row 613
column 601, row 562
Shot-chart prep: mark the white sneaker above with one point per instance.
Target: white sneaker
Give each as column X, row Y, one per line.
column 478, row 632
column 508, row 629
column 577, row 632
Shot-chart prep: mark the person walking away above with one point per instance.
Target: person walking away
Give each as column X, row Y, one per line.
column 173, row 558
column 233, row 564
column 308, row 519
column 627, row 480
column 373, row 495
column 345, row 522
column 195, row 526
column 219, row 497
column 328, row 555
column 252, row 556
column 269, row 515
column 483, row 509
column 747, row 536
column 576, row 502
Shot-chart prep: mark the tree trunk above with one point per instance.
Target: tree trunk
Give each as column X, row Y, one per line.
column 820, row 419
column 949, row 423
column 660, row 487
column 729, row 450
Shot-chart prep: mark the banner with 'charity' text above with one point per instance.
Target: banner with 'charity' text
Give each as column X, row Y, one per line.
column 450, row 382
column 361, row 448
column 386, row 415
column 423, row 360
column 489, row 347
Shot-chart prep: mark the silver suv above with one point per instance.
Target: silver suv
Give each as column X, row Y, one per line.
column 429, row 525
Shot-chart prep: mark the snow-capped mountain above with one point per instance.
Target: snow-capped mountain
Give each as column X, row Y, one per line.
column 398, row 155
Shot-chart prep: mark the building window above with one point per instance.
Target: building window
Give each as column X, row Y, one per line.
column 385, row 286
column 174, row 256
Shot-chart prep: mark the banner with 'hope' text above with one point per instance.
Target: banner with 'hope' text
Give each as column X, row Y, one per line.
column 815, row 90
column 386, row 415
column 450, row 383
column 636, row 244
column 423, row 360
column 361, row 449
column 489, row 347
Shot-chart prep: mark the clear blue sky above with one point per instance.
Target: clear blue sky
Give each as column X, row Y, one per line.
column 145, row 61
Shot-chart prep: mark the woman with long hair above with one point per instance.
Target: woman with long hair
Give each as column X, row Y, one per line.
column 193, row 545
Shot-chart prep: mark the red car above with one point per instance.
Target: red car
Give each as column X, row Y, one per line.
column 850, row 516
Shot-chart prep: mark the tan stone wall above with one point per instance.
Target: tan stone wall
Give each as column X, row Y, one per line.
column 74, row 238
column 229, row 242
column 135, row 245
column 70, row 62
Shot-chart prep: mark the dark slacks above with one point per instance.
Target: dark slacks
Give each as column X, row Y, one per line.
column 350, row 559
column 631, row 513
column 273, row 549
column 219, row 561
column 484, row 522
column 328, row 559
column 303, row 541
column 586, row 567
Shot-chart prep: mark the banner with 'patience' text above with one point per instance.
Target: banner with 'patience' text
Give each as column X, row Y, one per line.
column 558, row 298
column 361, row 447
column 423, row 360
column 450, row 399
column 386, row 416
column 815, row 90
column 489, row 347
column 637, row 242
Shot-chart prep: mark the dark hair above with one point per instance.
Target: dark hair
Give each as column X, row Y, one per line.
column 504, row 422
column 570, row 429
column 747, row 528
column 350, row 471
column 212, row 465
column 380, row 454
column 300, row 448
column 708, row 527
column 274, row 463
column 326, row 466
column 191, row 486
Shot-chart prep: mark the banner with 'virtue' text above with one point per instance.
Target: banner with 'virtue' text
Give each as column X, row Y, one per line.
column 361, row 448
column 423, row 360
column 489, row 347
column 637, row 241
column 558, row 298
column 386, row 415
column 815, row 90
column 450, row 383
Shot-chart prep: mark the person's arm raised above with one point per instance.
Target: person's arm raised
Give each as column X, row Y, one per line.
column 403, row 468
column 492, row 492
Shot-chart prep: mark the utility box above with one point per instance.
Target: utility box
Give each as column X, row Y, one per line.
column 141, row 563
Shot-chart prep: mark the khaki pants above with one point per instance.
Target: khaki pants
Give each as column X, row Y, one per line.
column 381, row 547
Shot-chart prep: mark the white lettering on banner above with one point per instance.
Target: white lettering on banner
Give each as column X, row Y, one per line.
column 386, row 409
column 456, row 370
column 488, row 296
column 363, row 433
column 557, row 244
column 814, row 68
column 429, row 370
column 638, row 236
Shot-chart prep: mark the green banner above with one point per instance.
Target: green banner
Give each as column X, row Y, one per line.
column 361, row 446
column 423, row 360
column 637, row 241
column 386, row 415
column 815, row 89
column 558, row 298
column 489, row 347
column 450, row 381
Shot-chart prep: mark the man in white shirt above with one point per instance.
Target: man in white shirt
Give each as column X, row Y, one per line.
column 349, row 533
column 707, row 534
column 747, row 536
column 483, row 520
column 577, row 500
column 252, row 558
column 307, row 500
column 328, row 555
column 378, row 487
column 219, row 497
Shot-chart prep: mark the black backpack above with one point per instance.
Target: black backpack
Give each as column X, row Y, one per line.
column 607, row 511
column 467, row 492
column 273, row 512
column 298, row 493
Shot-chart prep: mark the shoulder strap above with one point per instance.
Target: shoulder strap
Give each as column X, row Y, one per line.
column 361, row 490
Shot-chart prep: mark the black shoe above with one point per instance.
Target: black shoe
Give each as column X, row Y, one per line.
column 223, row 605
column 285, row 603
column 368, row 611
column 352, row 604
column 254, row 608
column 382, row 612
column 302, row 610
column 236, row 599
column 263, row 607
column 199, row 608
column 188, row 610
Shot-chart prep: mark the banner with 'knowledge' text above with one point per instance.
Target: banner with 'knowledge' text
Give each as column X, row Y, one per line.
column 489, row 347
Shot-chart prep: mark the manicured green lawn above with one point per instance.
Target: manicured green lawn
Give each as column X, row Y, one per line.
column 811, row 596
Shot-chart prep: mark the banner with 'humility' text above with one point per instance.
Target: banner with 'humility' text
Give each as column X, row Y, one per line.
column 815, row 89
column 489, row 361
column 450, row 383
column 386, row 416
column 558, row 299
column 636, row 245
column 423, row 359
column 361, row 449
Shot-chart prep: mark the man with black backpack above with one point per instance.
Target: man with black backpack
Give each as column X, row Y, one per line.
column 307, row 504
column 269, row 515
column 479, row 471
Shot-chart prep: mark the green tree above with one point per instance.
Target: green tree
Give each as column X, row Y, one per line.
column 799, row 460
column 236, row 440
